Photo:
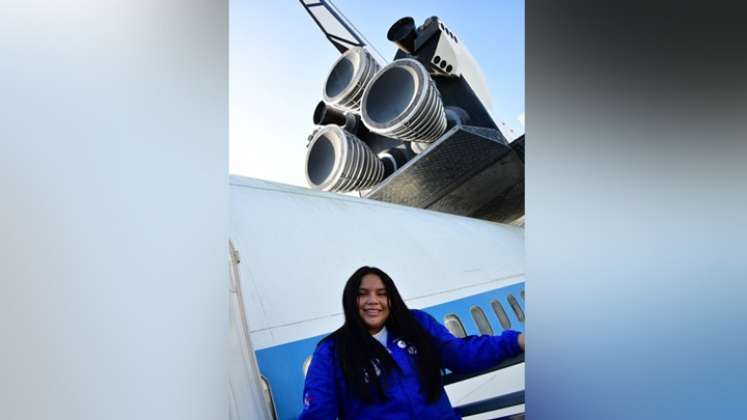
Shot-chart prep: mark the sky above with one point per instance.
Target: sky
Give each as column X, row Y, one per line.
column 279, row 60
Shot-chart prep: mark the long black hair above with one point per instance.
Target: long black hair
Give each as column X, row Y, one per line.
column 363, row 359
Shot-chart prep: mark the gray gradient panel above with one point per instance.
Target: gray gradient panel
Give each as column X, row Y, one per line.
column 113, row 224
column 636, row 202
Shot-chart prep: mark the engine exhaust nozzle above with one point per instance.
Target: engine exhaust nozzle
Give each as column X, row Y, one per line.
column 348, row 78
column 403, row 33
column 402, row 101
column 325, row 114
column 337, row 160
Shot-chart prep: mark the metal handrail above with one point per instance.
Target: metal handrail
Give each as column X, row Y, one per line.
column 489, row 404
column 451, row 378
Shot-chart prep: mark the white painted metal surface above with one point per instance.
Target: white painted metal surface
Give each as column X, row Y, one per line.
column 300, row 246
column 464, row 64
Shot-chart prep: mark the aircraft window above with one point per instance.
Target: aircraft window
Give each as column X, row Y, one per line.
column 455, row 326
column 481, row 320
column 517, row 309
column 267, row 391
column 501, row 314
column 306, row 364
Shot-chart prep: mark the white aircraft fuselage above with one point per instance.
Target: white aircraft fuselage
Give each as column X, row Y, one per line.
column 298, row 247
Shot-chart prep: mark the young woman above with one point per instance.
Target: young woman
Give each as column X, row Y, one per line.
column 386, row 361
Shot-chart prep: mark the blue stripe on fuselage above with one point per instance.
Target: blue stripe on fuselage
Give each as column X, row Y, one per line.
column 282, row 365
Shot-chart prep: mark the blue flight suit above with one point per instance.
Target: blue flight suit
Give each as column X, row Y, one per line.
column 326, row 395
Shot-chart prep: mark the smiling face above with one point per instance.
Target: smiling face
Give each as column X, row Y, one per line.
column 373, row 302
